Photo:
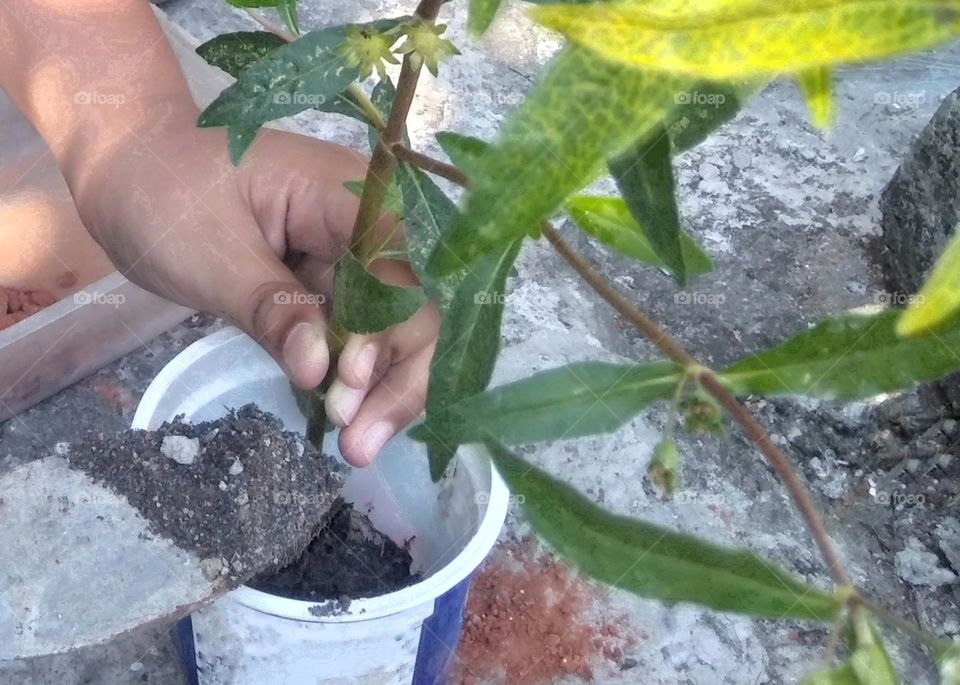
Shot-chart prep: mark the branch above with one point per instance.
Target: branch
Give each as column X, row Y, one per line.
column 675, row 351
column 268, row 25
column 427, row 163
column 383, row 163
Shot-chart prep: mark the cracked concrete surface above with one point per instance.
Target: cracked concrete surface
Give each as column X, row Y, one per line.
column 789, row 215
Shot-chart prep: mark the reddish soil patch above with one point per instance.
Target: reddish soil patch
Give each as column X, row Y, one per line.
column 529, row 621
column 17, row 304
column 115, row 395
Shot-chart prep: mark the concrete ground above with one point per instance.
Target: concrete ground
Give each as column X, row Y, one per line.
column 789, row 215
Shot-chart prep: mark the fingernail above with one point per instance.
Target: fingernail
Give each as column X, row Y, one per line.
column 343, row 402
column 305, row 353
column 374, row 439
column 366, row 360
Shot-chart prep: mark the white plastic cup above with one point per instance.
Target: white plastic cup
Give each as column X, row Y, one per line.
column 405, row 637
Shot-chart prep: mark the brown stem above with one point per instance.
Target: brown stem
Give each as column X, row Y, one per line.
column 674, row 350
column 383, row 163
column 427, row 163
column 276, row 30
column 379, row 175
column 781, row 464
column 650, row 330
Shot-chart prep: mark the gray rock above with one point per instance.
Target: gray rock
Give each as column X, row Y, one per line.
column 921, row 204
column 181, row 449
column 921, row 208
column 919, row 566
column 211, row 567
column 948, row 537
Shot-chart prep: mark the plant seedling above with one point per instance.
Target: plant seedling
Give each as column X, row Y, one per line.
column 636, row 83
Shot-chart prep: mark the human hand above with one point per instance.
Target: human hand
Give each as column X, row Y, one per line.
column 177, row 218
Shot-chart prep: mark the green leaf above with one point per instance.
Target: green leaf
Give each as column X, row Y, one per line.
column 239, row 140
column 364, row 304
column 842, row 675
column 724, row 39
column 580, row 399
column 871, row 665
column 382, row 98
column 846, row 357
column 463, row 151
column 939, row 298
column 428, row 212
column 392, row 201
column 467, row 346
column 664, row 466
column 609, row 220
column 481, row 14
column 702, row 109
column 288, row 14
column 947, row 657
column 581, row 112
column 656, row 562
column 234, row 52
column 308, row 73
column 816, row 85
column 644, row 175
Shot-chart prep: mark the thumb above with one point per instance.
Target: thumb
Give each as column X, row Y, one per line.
column 284, row 317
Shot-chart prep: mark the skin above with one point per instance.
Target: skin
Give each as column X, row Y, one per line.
column 100, row 83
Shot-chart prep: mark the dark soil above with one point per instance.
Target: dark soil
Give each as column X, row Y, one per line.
column 252, row 498
column 349, row 559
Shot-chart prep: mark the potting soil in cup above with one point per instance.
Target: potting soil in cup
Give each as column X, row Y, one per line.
column 348, row 560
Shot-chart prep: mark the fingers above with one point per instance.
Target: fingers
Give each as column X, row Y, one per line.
column 359, row 357
column 389, row 406
column 267, row 301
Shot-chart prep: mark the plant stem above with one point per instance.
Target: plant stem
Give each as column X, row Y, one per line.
column 383, row 163
column 268, row 25
column 675, row 351
column 373, row 114
column 427, row 163
column 781, row 464
column 363, row 242
column 650, row 330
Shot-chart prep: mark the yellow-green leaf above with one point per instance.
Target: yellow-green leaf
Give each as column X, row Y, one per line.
column 724, row 39
column 582, row 112
column 816, row 85
column 939, row 297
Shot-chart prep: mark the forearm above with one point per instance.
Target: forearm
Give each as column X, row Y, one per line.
column 90, row 75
